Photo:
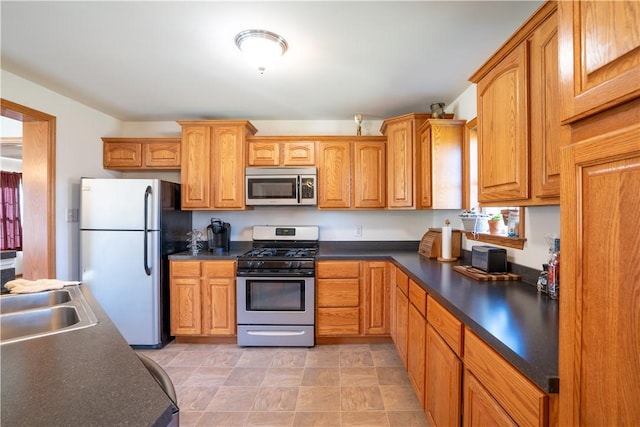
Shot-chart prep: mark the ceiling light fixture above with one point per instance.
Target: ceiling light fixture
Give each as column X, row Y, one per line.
column 261, row 48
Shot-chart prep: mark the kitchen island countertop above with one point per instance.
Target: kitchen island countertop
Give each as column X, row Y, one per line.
column 87, row 377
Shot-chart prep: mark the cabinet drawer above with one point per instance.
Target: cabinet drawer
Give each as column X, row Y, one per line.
column 418, row 297
column 338, row 269
column 219, row 269
column 402, row 281
column 525, row 403
column 338, row 321
column 185, row 268
column 445, row 323
column 338, row 292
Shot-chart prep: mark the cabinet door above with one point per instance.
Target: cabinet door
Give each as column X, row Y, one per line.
column 600, row 55
column 228, row 167
column 480, row 409
column 334, row 175
column 376, row 298
column 545, row 111
column 218, row 306
column 121, row 155
column 218, row 297
column 400, row 164
column 162, row 155
column 299, row 154
column 503, row 126
column 185, row 298
column 600, row 267
column 196, row 175
column 520, row 398
column 440, row 164
column 416, row 340
column 402, row 324
column 443, row 382
column 369, row 175
column 263, row 153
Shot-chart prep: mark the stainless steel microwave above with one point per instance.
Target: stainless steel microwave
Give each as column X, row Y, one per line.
column 281, row 186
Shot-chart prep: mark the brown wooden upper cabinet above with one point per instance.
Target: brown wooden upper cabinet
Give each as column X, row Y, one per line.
column 141, row 153
column 424, row 162
column 351, row 172
column 280, row 151
column 213, row 163
column 440, row 164
column 600, row 65
column 519, row 117
column 402, row 140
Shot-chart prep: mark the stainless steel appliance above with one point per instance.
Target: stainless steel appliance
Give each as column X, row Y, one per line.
column 284, row 186
column 128, row 227
column 276, row 287
column 219, row 235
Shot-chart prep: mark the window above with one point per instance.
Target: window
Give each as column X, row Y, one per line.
column 10, row 211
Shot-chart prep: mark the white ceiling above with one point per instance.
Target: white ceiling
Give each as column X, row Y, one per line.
column 170, row 60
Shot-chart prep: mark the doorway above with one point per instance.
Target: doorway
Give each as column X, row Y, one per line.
column 38, row 176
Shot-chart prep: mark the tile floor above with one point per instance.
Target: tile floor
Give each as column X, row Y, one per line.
column 327, row 385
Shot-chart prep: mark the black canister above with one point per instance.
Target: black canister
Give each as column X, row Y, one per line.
column 219, row 235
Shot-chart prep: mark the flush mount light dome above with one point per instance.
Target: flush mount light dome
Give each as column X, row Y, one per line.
column 261, row 47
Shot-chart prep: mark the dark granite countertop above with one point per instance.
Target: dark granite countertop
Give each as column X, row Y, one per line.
column 88, row 377
column 511, row 317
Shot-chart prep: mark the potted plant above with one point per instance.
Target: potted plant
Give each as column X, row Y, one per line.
column 474, row 222
column 496, row 224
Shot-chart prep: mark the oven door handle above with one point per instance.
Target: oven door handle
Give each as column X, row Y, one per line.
column 275, row 333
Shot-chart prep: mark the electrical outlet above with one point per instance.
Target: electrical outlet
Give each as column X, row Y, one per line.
column 357, row 232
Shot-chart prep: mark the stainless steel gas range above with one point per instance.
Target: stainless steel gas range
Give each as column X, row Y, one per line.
column 276, row 287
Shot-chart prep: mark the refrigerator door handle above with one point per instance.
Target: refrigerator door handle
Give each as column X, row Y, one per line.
column 147, row 194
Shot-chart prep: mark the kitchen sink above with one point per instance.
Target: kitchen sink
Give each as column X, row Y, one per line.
column 13, row 303
column 29, row 316
column 33, row 322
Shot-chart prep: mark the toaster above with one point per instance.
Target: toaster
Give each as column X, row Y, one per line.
column 489, row 259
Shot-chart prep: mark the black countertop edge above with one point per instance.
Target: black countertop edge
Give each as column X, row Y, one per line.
column 88, row 377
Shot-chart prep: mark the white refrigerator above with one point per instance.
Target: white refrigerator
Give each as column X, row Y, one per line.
column 128, row 228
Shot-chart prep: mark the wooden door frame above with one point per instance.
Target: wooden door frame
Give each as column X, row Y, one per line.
column 39, row 183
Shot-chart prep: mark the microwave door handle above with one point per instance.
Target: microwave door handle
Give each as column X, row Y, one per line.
column 299, row 188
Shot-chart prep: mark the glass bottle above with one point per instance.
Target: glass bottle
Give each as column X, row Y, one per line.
column 553, row 274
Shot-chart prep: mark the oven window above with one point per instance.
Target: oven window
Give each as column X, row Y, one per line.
column 272, row 188
column 276, row 295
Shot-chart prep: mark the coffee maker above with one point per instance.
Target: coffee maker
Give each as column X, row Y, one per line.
column 219, row 235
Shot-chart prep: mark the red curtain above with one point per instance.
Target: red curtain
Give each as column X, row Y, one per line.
column 10, row 226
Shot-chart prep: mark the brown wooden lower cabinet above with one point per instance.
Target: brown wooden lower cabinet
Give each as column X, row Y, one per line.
column 338, row 298
column 480, row 408
column 458, row 377
column 443, row 383
column 416, row 338
column 402, row 314
column 519, row 397
column 203, row 298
